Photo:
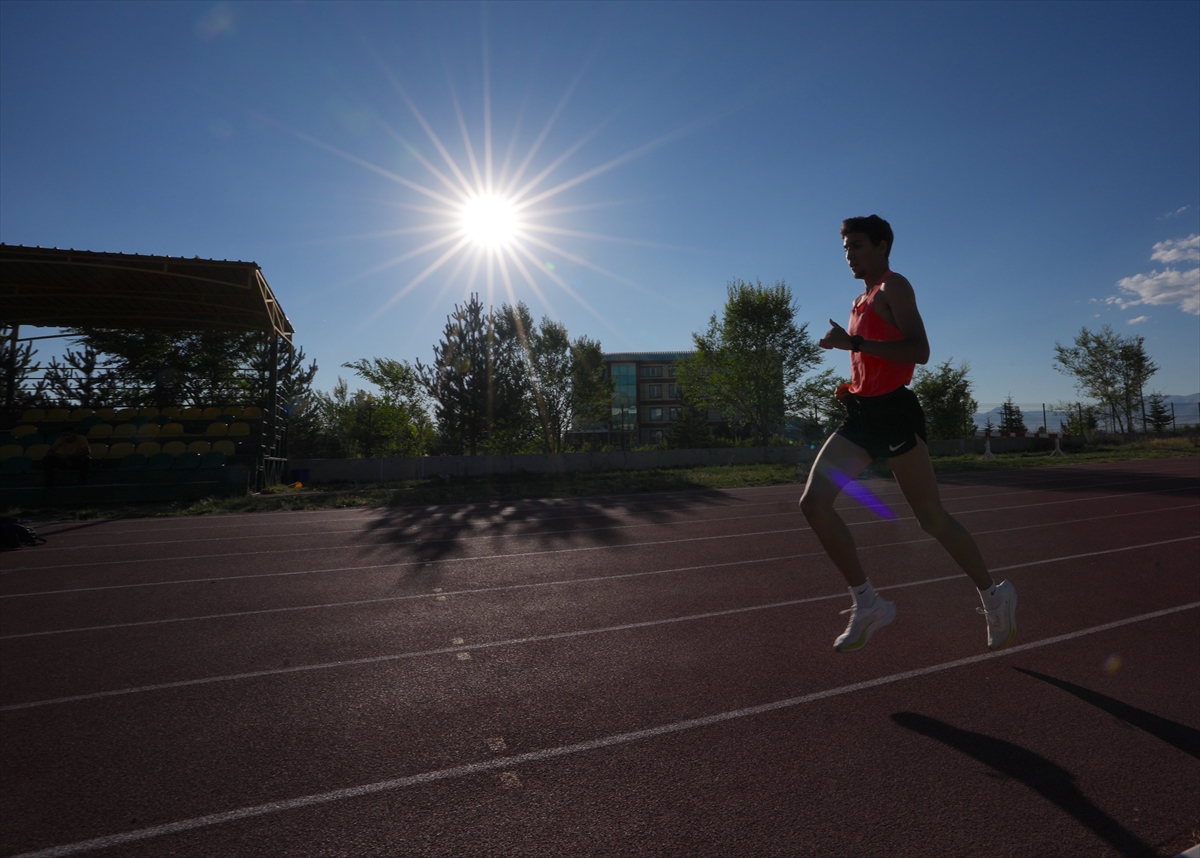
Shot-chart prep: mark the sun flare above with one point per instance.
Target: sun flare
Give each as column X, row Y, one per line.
column 489, row 221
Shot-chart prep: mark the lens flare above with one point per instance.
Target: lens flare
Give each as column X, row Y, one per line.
column 862, row 494
column 489, row 220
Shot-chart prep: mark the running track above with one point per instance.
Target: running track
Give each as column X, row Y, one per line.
column 647, row 675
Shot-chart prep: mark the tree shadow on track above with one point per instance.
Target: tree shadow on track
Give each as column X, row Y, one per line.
column 440, row 531
column 1048, row 779
column 1183, row 737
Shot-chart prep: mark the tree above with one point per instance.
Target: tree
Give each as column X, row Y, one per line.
column 19, row 368
column 513, row 392
column 1109, row 368
column 1011, row 419
column 81, row 380
column 396, row 421
column 814, row 403
column 945, row 395
column 749, row 362
column 458, row 379
column 689, row 430
column 1159, row 416
column 1081, row 419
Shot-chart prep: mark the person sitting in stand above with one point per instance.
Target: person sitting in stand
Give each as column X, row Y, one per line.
column 70, row 450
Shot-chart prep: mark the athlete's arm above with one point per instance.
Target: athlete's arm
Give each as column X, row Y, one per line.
column 897, row 304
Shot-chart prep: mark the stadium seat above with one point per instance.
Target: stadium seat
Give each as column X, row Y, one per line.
column 191, row 414
column 226, row 447
column 124, row 430
column 100, row 430
column 57, row 415
column 171, row 430
column 171, row 411
column 138, row 420
column 217, row 428
column 81, row 414
column 133, row 462
column 187, row 462
column 239, row 429
column 23, row 430
column 37, row 452
column 120, row 450
column 161, row 462
column 148, row 430
column 123, row 414
column 174, row 447
column 252, row 412
column 16, row 465
column 9, row 451
column 211, row 413
column 106, row 413
column 233, row 411
column 212, row 460
column 99, row 450
column 149, row 412
column 149, row 448
column 200, row 447
column 162, row 419
column 87, row 422
column 7, row 439
column 33, row 415
column 32, row 438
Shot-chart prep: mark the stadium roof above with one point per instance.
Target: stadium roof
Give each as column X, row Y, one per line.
column 82, row 288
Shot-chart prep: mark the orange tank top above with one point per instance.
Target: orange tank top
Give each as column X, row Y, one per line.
column 870, row 375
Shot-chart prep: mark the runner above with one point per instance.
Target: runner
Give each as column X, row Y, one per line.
column 886, row 339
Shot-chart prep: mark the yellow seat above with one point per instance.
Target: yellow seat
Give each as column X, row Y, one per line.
column 171, row 411
column 106, row 414
column 171, row 430
column 175, row 447
column 99, row 450
column 200, row 447
column 100, row 430
column 149, row 412
column 10, row 450
column 217, row 429
column 191, row 414
column 148, row 448
column 125, row 430
column 33, row 415
column 81, row 413
column 125, row 414
column 148, row 430
column 252, row 412
column 226, row 447
column 239, row 429
column 211, row 413
column 23, row 430
column 234, row 410
column 57, row 415
column 36, row 452
column 121, row 450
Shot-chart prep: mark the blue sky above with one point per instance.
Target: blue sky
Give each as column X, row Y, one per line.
column 1040, row 162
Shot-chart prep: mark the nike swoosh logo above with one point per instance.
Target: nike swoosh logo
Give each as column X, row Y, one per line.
column 897, row 447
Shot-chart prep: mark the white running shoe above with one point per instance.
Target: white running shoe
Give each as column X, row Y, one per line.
column 863, row 622
column 1002, row 620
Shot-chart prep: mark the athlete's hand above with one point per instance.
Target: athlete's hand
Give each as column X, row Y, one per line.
column 837, row 338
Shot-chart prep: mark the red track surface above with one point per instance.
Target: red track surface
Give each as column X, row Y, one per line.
column 642, row 675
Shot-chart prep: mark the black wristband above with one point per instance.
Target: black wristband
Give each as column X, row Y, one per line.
column 856, row 342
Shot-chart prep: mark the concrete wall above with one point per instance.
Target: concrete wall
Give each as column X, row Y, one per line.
column 389, row 470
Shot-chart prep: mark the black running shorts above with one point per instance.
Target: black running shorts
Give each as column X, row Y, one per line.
column 887, row 425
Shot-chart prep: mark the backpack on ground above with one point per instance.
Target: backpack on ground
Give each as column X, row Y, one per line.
column 14, row 534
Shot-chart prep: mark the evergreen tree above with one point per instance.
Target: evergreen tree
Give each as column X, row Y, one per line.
column 81, row 380
column 1159, row 416
column 458, row 380
column 20, row 372
column 945, row 396
column 1011, row 419
column 515, row 401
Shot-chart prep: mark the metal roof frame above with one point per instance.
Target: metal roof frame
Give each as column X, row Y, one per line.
column 82, row 288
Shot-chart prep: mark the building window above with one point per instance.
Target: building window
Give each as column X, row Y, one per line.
column 656, row 415
column 656, row 436
column 652, row 371
column 672, row 391
column 675, row 413
column 655, row 391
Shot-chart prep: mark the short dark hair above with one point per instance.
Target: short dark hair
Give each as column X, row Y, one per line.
column 876, row 228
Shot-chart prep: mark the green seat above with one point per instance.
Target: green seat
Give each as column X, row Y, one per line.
column 28, row 441
column 133, row 462
column 187, row 461
column 87, row 423
column 160, row 462
column 215, row 459
column 16, row 465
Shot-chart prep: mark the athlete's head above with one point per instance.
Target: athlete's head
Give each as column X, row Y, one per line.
column 873, row 227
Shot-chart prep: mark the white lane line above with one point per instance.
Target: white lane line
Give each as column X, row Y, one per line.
column 476, row 525
column 600, row 743
column 484, row 557
column 562, row 582
column 376, row 659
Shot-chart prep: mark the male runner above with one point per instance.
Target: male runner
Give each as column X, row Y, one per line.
column 884, row 420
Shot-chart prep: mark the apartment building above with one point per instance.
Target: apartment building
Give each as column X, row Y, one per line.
column 645, row 397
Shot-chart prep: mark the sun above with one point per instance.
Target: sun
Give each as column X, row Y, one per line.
column 489, row 221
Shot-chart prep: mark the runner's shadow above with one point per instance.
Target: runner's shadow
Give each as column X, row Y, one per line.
column 1183, row 737
column 1048, row 779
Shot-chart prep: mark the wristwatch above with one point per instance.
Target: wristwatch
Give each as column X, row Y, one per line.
column 856, row 342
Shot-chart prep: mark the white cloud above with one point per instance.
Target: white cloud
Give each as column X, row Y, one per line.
column 1138, row 320
column 1169, row 286
column 1175, row 213
column 1177, row 250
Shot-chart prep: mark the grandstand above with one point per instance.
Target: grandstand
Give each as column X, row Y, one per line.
column 140, row 451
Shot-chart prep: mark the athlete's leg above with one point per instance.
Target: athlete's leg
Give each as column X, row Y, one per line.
column 839, row 460
column 914, row 472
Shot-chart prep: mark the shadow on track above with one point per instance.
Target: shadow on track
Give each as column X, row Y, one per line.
column 1183, row 737
column 1048, row 779
column 1132, row 477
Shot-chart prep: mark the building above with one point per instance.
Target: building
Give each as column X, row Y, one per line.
column 645, row 397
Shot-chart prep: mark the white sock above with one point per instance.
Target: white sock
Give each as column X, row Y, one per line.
column 989, row 597
column 863, row 596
